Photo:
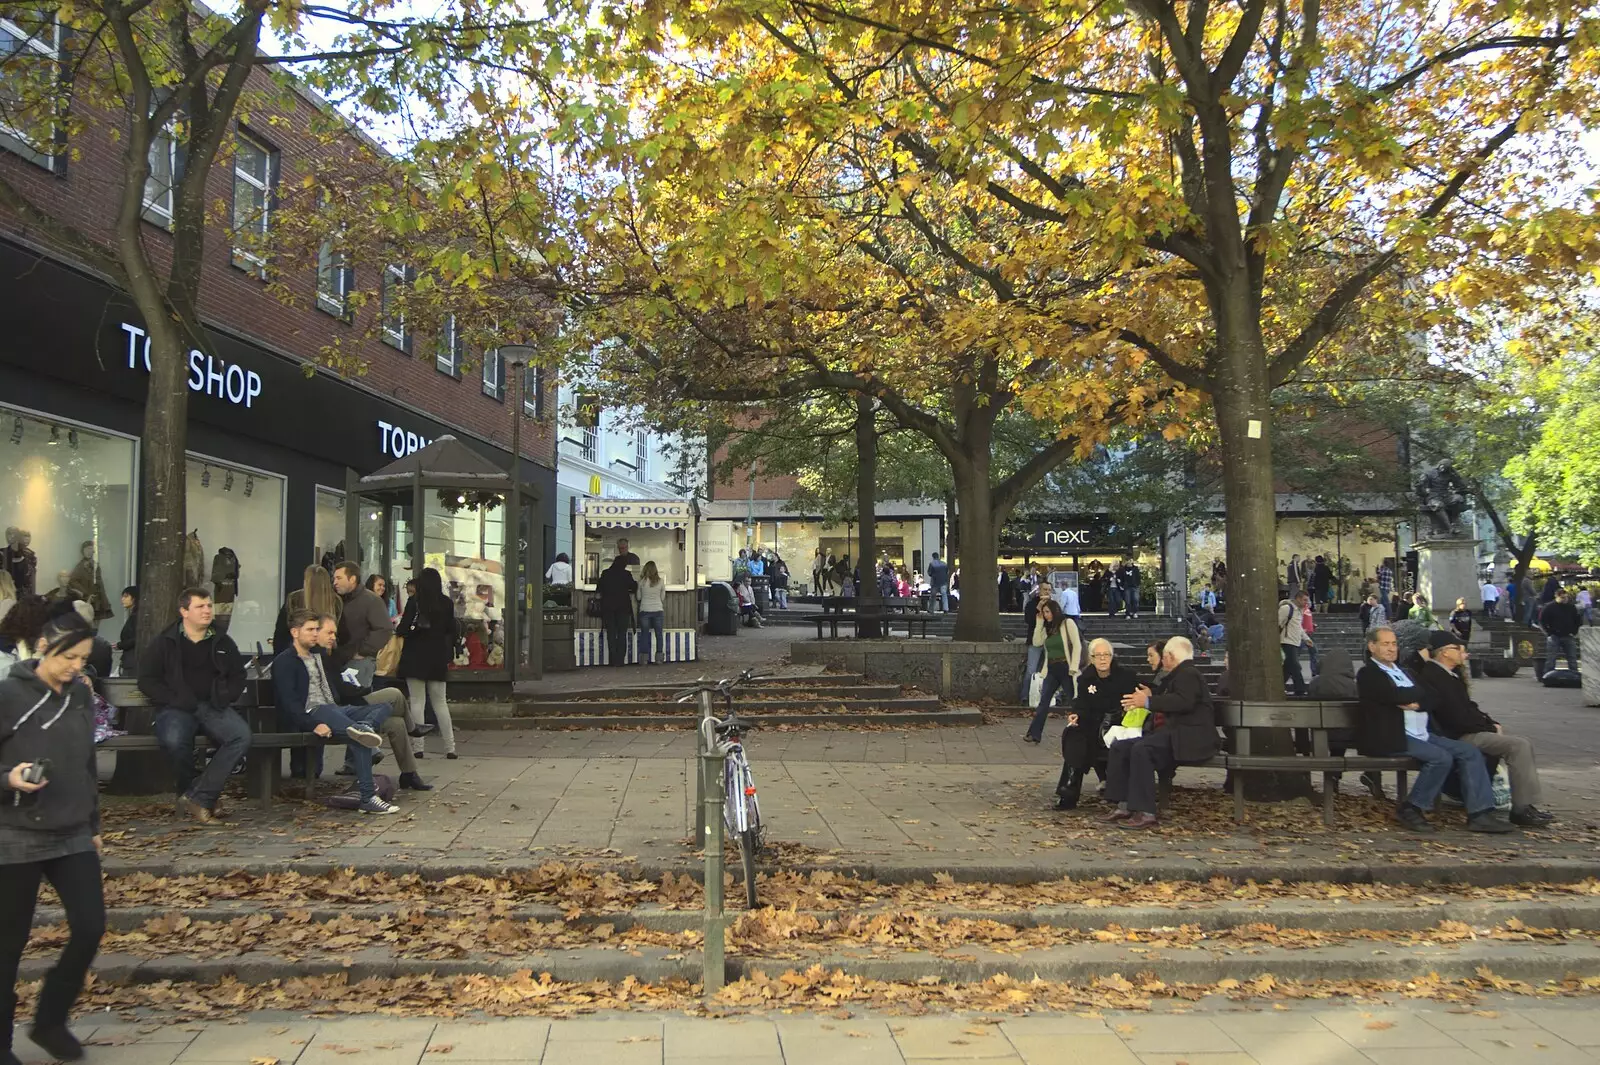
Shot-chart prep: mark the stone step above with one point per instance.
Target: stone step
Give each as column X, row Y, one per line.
column 822, row 684
column 965, row 717
column 890, row 699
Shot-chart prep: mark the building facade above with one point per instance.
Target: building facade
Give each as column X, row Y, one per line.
column 273, row 437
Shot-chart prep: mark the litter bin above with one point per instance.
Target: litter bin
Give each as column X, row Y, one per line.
column 723, row 619
column 762, row 590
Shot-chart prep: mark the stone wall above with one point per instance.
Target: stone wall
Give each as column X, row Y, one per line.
column 1589, row 658
column 950, row 669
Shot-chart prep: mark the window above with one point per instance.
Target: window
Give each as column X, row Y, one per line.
column 30, row 51
column 254, row 168
column 447, row 358
column 494, row 375
column 533, row 392
column 591, row 442
column 336, row 279
column 641, row 453
column 391, row 315
column 166, row 170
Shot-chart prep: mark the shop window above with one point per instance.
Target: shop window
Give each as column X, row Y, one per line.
column 464, row 539
column 336, row 279
column 448, row 358
column 30, row 53
column 494, row 375
column 235, row 547
column 66, row 501
column 391, row 310
column 254, row 170
column 329, row 549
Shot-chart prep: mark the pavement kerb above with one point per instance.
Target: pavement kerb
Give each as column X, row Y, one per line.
column 1485, row 874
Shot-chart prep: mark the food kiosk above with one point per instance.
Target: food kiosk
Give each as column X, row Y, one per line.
column 659, row 531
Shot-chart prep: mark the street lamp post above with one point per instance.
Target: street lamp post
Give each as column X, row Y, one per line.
column 516, row 360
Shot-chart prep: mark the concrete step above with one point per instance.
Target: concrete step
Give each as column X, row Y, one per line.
column 821, row 686
column 888, row 698
column 966, row 717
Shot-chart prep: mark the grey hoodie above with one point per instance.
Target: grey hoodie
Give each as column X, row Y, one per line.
column 38, row 723
column 1337, row 680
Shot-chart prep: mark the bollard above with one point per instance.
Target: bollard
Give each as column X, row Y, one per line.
column 711, row 772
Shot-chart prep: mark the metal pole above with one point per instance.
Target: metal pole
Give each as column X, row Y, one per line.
column 715, row 972
column 511, row 532
column 704, row 698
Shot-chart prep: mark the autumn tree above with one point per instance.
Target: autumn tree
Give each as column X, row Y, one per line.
column 171, row 80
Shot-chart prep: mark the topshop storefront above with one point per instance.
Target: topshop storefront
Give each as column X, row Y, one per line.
column 271, row 452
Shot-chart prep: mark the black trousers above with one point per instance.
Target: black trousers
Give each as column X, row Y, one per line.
column 76, row 879
column 1132, row 767
column 616, row 638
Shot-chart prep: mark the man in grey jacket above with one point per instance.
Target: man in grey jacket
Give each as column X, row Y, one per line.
column 364, row 627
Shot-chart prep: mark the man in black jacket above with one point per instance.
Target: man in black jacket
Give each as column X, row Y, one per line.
column 1130, row 587
column 1454, row 714
column 195, row 674
column 617, row 587
column 1182, row 729
column 1394, row 721
column 1560, row 622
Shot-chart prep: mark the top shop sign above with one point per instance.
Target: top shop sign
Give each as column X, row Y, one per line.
column 208, row 374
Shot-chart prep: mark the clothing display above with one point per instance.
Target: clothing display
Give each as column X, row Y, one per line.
column 194, row 561
column 224, row 586
column 19, row 560
column 90, row 583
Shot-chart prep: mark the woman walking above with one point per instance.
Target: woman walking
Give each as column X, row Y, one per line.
column 652, row 616
column 429, row 628
column 49, row 826
column 1063, row 653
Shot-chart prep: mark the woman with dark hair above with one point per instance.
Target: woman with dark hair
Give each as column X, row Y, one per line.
column 128, row 642
column 49, row 826
column 1063, row 653
column 429, row 628
column 378, row 585
column 20, row 630
column 1152, row 657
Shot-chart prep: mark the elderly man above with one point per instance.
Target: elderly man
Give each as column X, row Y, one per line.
column 1454, row 715
column 1182, row 729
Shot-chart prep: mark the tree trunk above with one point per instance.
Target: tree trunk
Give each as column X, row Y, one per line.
column 1242, row 399
column 163, row 468
column 978, row 618
column 868, row 600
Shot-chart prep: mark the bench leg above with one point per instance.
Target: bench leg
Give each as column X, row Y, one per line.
column 1400, row 791
column 310, row 780
column 1329, row 787
column 261, row 772
column 1238, row 796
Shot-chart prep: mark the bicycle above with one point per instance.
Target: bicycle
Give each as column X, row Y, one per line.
column 741, row 810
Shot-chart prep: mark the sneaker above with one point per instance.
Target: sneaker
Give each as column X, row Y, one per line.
column 364, row 735
column 376, row 805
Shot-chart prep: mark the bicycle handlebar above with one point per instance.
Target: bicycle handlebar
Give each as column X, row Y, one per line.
column 723, row 686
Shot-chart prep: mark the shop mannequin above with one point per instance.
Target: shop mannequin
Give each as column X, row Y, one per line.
column 19, row 560
column 87, row 579
column 225, row 587
column 63, row 588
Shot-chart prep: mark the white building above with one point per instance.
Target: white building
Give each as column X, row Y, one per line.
column 611, row 454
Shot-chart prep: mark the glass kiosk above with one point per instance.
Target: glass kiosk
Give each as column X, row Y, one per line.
column 448, row 508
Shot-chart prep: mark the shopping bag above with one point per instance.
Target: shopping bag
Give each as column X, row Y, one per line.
column 1035, row 688
column 388, row 664
column 1502, row 787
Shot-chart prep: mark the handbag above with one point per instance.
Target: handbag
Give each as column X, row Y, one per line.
column 388, row 662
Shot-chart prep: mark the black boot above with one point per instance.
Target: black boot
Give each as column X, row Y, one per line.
column 1070, row 788
column 412, row 782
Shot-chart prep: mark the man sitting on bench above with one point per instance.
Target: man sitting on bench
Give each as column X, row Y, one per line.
column 194, row 675
column 1454, row 714
column 1394, row 721
column 1183, row 729
column 392, row 729
column 306, row 697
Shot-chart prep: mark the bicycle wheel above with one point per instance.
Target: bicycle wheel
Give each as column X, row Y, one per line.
column 747, row 857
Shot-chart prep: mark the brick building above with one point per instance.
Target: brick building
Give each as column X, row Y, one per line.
column 275, row 440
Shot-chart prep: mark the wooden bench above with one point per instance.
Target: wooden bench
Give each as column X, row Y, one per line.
column 910, row 621
column 1318, row 719
column 263, row 762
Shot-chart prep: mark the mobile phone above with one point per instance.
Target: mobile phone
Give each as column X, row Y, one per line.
column 37, row 773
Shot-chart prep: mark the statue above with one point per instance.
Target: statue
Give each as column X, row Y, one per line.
column 1442, row 493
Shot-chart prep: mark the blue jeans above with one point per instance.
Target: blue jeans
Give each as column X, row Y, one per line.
column 652, row 621
column 1439, row 756
column 1132, row 595
column 1558, row 646
column 339, row 719
column 175, row 731
column 1058, row 678
column 943, row 596
column 1035, row 660
column 1114, row 600
column 1291, row 669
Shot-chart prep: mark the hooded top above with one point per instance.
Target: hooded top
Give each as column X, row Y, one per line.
column 1337, row 680
column 37, row 723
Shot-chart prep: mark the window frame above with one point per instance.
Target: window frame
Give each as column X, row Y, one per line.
column 11, row 139
column 494, row 386
column 641, row 453
column 399, row 340
column 244, row 259
column 533, row 392
column 333, row 263
column 152, row 210
column 589, row 446
column 450, row 343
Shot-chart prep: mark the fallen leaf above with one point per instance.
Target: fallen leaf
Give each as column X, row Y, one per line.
column 1380, row 1026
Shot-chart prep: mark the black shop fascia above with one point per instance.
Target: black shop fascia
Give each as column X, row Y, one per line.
column 73, row 356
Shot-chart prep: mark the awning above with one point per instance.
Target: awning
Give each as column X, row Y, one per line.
column 638, row 513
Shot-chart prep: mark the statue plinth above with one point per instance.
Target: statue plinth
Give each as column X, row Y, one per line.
column 1447, row 570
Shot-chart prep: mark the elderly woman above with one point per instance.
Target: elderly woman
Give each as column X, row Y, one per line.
column 1100, row 691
